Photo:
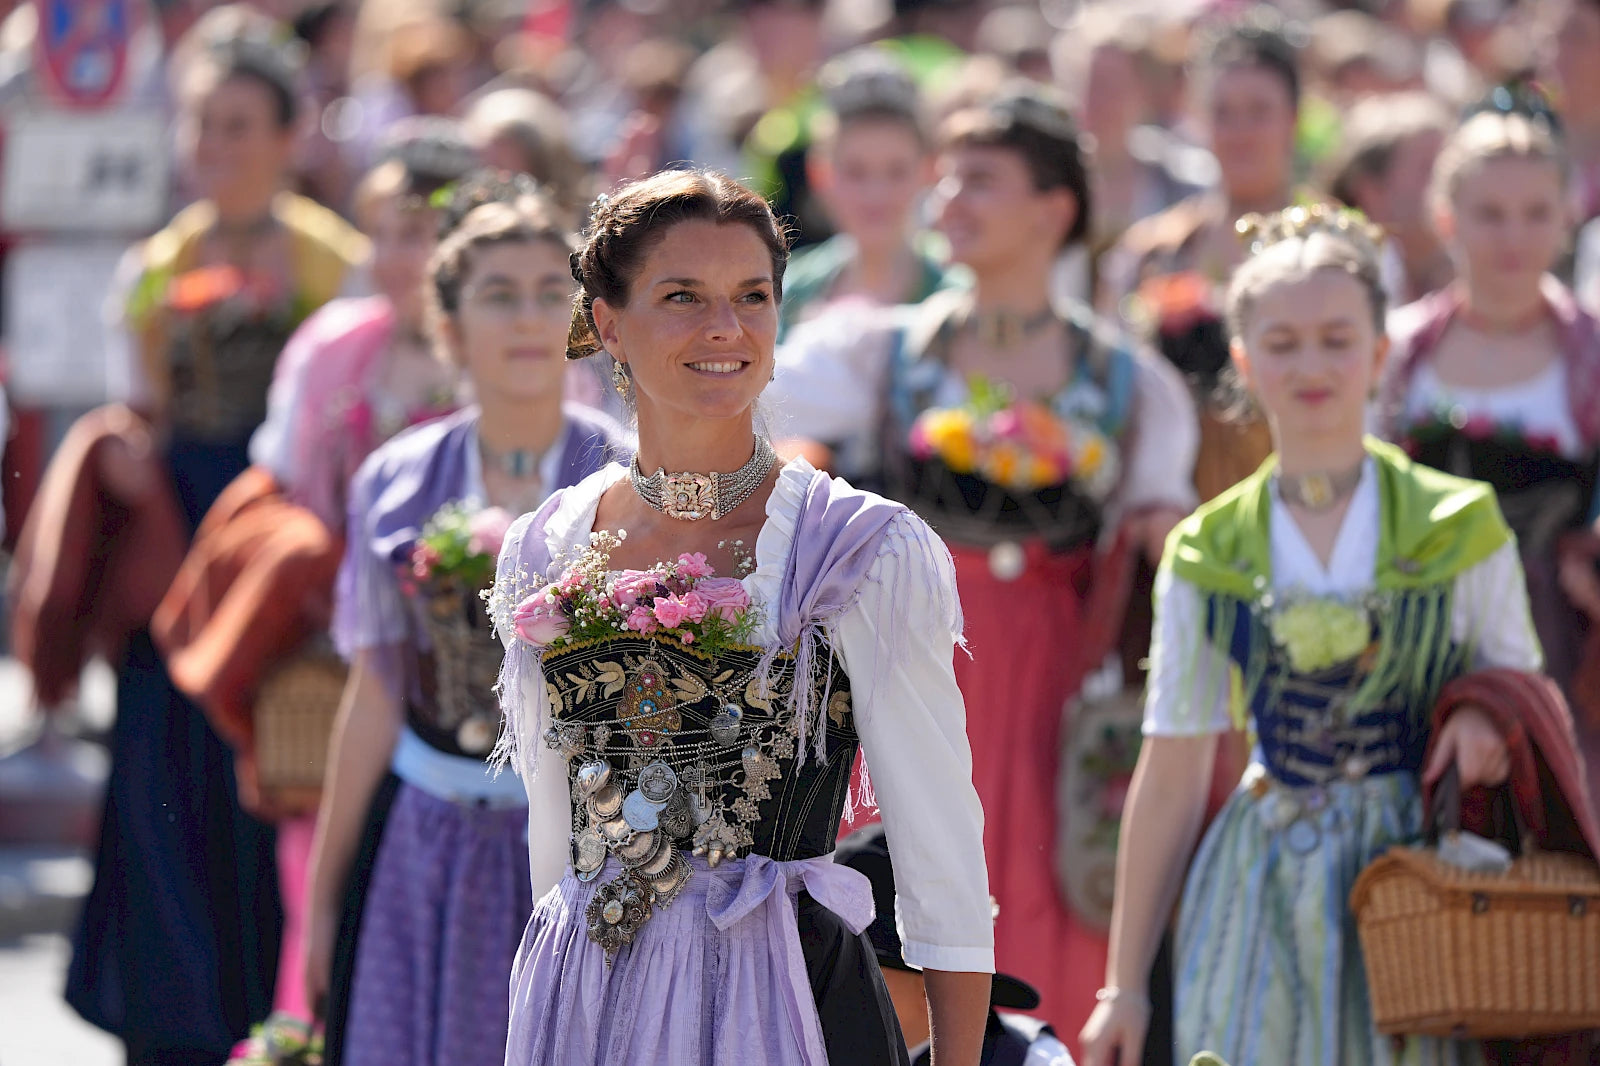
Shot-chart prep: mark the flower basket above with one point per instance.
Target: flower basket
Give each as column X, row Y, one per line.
column 294, row 715
column 1490, row 955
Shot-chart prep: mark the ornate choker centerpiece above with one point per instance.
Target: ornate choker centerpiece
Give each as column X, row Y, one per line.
column 689, row 497
column 1320, row 490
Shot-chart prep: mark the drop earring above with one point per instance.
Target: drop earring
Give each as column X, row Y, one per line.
column 620, row 378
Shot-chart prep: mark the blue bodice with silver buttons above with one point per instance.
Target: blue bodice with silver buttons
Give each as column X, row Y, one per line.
column 1312, row 730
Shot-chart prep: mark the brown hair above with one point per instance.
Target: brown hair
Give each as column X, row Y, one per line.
column 1297, row 258
column 528, row 219
column 1035, row 123
column 626, row 225
column 1493, row 135
column 537, row 127
column 867, row 85
column 425, row 46
column 1374, row 131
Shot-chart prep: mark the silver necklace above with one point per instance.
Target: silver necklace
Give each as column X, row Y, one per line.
column 689, row 497
column 1320, row 490
column 519, row 463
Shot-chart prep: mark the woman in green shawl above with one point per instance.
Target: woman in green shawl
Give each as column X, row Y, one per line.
column 1326, row 599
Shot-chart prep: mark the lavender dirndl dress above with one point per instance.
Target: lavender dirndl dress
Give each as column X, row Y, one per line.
column 447, row 893
column 759, row 960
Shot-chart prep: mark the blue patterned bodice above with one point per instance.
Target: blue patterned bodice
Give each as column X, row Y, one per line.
column 1311, row 728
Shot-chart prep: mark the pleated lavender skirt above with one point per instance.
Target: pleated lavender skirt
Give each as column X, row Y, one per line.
column 757, row 963
column 449, row 897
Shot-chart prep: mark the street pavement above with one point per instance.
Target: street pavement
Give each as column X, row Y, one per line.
column 41, row 888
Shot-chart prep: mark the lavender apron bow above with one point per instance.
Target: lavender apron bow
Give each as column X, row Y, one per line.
column 757, row 883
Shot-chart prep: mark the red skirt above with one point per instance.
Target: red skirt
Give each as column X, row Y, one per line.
column 1023, row 637
column 1024, row 665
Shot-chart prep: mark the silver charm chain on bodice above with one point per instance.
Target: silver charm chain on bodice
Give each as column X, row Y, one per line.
column 690, row 497
column 632, row 804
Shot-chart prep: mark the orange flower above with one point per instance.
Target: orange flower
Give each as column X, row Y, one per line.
column 1174, row 302
column 199, row 289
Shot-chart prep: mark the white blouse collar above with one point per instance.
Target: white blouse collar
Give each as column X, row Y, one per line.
column 1353, row 562
column 573, row 520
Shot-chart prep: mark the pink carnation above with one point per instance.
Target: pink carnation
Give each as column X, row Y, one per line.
column 487, row 531
column 1007, row 425
column 539, row 620
column 696, row 605
column 670, row 611
column 423, row 559
column 633, row 587
column 572, row 581
column 640, row 620
column 693, row 565
column 724, row 596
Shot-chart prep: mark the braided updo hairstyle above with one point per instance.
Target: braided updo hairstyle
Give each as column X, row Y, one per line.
column 1298, row 242
column 486, row 209
column 625, row 226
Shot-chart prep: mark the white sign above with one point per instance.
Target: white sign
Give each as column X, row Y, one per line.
column 55, row 334
column 101, row 172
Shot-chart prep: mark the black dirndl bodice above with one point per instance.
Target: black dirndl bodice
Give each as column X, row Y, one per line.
column 673, row 752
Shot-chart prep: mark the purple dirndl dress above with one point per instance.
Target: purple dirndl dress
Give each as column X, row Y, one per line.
column 644, row 954
column 448, row 892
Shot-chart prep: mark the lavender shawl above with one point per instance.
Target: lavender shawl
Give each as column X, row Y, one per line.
column 401, row 486
column 841, row 538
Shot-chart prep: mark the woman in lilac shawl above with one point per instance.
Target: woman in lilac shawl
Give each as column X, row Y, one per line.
column 446, row 883
column 693, row 659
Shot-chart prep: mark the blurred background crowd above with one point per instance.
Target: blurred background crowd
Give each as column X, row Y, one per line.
column 190, row 120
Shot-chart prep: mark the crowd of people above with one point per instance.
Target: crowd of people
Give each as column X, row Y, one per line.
column 631, row 450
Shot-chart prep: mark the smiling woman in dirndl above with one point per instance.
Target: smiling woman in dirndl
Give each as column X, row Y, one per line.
column 697, row 645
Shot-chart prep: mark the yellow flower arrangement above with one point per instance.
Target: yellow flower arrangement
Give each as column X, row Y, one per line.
column 1318, row 633
column 1019, row 445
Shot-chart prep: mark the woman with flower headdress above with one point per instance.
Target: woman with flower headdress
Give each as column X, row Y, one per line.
column 179, row 937
column 1498, row 375
column 413, row 920
column 1330, row 598
column 1026, row 438
column 694, row 656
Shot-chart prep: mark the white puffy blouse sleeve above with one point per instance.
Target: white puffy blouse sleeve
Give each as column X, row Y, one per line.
column 549, row 804
column 828, row 382
column 1159, row 468
column 913, row 728
column 1490, row 614
column 1188, row 691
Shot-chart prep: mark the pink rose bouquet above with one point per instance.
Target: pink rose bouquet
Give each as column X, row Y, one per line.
column 458, row 548
column 683, row 599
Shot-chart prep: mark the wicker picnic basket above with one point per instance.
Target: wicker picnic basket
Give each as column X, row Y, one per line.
column 1451, row 952
column 294, row 713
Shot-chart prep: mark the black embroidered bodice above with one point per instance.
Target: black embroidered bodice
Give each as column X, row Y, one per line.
column 221, row 364
column 671, row 752
column 1542, row 494
column 450, row 700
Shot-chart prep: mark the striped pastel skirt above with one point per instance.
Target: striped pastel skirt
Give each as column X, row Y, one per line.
column 1269, row 966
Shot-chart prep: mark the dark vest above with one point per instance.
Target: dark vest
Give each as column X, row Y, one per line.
column 633, row 701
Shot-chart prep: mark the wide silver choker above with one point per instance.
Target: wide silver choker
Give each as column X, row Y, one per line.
column 691, row 497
